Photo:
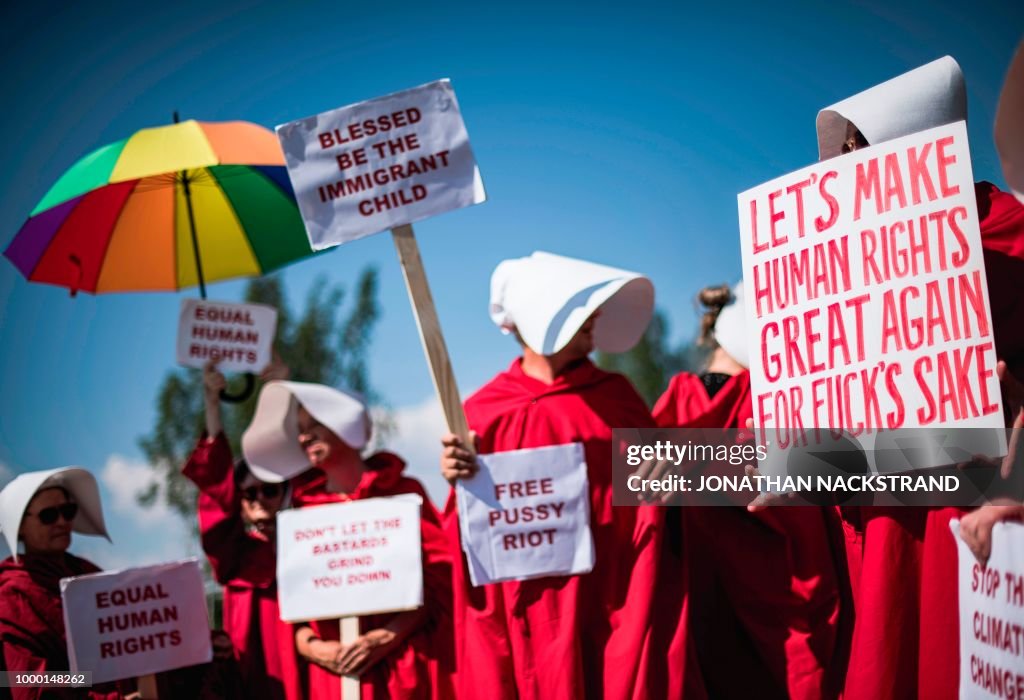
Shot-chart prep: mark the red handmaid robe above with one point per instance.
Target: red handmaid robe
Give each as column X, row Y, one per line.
column 567, row 636
column 907, row 635
column 770, row 596
column 32, row 637
column 245, row 564
column 421, row 667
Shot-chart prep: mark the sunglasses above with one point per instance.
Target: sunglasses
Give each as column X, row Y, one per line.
column 265, row 490
column 48, row 516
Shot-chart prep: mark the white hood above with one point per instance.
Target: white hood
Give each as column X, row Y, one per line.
column 926, row 97
column 78, row 482
column 271, row 442
column 731, row 327
column 547, row 297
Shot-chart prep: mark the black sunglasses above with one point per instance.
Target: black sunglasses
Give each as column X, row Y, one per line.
column 265, row 490
column 48, row 516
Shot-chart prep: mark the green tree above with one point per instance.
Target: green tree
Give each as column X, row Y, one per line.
column 326, row 343
column 652, row 362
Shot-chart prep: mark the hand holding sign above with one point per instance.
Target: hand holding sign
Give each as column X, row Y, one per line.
column 457, row 462
column 214, row 381
column 366, row 651
column 976, row 526
column 276, row 371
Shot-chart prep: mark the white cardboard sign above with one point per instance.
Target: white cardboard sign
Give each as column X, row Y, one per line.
column 239, row 336
column 866, row 297
column 526, row 514
column 123, row 624
column 375, row 165
column 992, row 615
column 354, row 558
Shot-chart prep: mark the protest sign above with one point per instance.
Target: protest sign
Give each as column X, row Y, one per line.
column 376, row 165
column 135, row 622
column 238, row 336
column 992, row 615
column 866, row 296
column 353, row 558
column 386, row 163
column 526, row 514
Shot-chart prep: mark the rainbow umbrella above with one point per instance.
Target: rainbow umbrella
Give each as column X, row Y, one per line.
column 165, row 209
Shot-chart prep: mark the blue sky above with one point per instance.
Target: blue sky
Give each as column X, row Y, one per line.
column 616, row 132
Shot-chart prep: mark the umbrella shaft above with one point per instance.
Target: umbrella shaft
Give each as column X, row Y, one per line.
column 192, row 230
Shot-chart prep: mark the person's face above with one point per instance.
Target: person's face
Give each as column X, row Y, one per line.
column 582, row 344
column 854, row 139
column 316, row 440
column 46, row 525
column 260, row 502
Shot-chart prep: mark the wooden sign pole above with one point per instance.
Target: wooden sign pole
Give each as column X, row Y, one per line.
column 349, row 633
column 430, row 332
column 147, row 687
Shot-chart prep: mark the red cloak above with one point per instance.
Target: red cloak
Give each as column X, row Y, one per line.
column 32, row 622
column 568, row 636
column 770, row 600
column 244, row 563
column 907, row 636
column 421, row 667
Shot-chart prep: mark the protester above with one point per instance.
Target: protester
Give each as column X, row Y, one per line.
column 40, row 510
column 401, row 655
column 906, row 635
column 976, row 527
column 769, row 590
column 237, row 514
column 597, row 634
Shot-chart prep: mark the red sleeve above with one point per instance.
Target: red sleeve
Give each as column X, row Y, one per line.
column 21, row 657
column 26, row 637
column 665, row 414
column 221, row 529
column 210, row 468
column 437, row 563
column 1001, row 218
column 437, row 557
column 635, row 413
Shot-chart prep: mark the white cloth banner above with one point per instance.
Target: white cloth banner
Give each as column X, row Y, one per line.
column 867, row 302
column 992, row 615
column 123, row 624
column 238, row 336
column 526, row 514
column 375, row 165
column 354, row 558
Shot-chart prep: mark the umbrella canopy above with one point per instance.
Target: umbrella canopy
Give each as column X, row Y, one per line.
column 136, row 215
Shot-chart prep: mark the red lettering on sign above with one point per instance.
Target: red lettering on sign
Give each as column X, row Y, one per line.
column 522, row 540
